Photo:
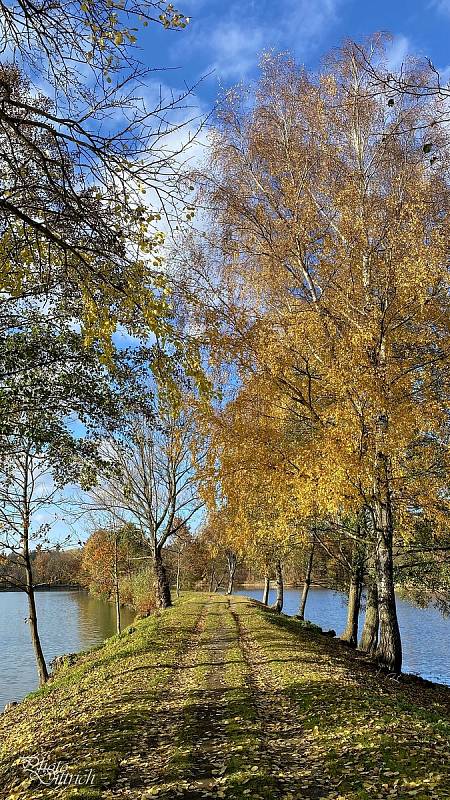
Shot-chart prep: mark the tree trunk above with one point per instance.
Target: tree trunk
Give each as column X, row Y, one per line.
column 35, row 640
column 350, row 635
column 266, row 591
column 116, row 586
column 29, row 586
column 163, row 597
column 278, row 607
column 178, row 572
column 211, row 581
column 232, row 563
column 389, row 650
column 219, row 582
column 369, row 636
column 306, row 584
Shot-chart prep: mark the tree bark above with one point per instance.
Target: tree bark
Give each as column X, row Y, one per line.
column 266, row 591
column 350, row 635
column 369, row 636
column 178, row 572
column 306, row 584
column 35, row 640
column 278, row 607
column 211, row 580
column 232, row 563
column 29, row 585
column 389, row 649
column 163, row 596
column 116, row 586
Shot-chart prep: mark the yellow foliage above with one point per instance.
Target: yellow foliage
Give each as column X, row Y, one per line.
column 332, row 245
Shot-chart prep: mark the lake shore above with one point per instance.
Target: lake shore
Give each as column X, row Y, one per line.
column 69, row 622
column 217, row 697
column 48, row 587
column 328, row 609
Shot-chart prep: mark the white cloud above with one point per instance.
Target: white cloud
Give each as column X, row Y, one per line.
column 232, row 42
column 178, row 115
column 397, row 52
column 401, row 48
column 441, row 5
column 235, row 49
column 182, row 142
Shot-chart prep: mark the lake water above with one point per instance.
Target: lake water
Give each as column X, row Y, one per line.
column 69, row 621
column 425, row 631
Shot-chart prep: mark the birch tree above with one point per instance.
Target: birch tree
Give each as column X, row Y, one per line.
column 332, row 226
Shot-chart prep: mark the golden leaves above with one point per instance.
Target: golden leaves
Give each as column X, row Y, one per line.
column 334, row 236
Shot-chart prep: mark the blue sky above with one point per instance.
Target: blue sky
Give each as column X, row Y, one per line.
column 227, row 37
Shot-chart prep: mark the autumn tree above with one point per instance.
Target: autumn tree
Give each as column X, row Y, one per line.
column 212, row 554
column 256, row 514
column 108, row 554
column 83, row 151
column 151, row 479
column 330, row 227
column 97, row 563
column 56, row 566
column 181, row 557
column 223, row 547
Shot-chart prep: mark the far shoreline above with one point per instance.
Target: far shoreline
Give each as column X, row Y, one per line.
column 47, row 587
column 287, row 586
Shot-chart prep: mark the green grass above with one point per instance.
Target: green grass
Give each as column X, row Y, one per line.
column 362, row 735
column 87, row 716
column 219, row 698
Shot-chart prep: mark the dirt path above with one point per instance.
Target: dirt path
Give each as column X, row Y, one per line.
column 225, row 726
column 282, row 731
column 204, row 732
column 221, row 728
column 217, row 700
column 147, row 768
column 204, row 736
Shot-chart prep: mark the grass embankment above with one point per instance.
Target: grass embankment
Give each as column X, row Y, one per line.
column 218, row 698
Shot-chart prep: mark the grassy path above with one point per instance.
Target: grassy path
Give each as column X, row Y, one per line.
column 283, row 732
column 219, row 699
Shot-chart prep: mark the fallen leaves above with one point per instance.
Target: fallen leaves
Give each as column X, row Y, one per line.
column 215, row 699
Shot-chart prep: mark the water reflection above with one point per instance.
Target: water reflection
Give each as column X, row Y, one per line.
column 425, row 631
column 68, row 622
column 72, row 621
